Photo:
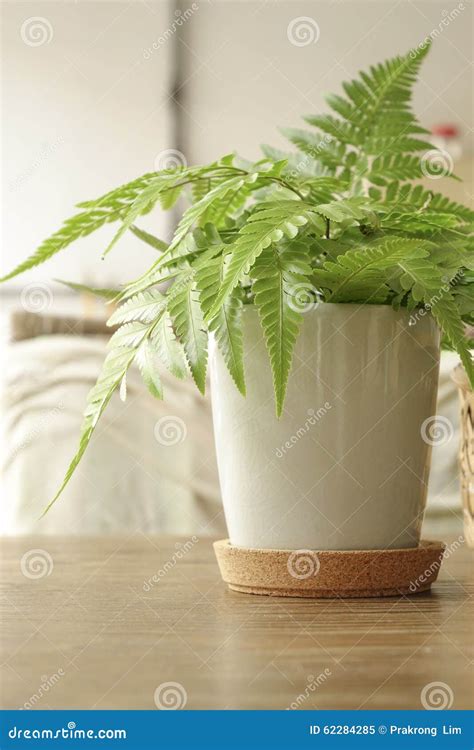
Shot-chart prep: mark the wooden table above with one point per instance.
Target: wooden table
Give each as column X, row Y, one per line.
column 87, row 620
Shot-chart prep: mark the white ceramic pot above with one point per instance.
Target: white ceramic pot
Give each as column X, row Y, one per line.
column 347, row 464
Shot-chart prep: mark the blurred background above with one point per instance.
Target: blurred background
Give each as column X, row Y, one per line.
column 97, row 93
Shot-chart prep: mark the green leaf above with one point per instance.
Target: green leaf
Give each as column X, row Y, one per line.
column 278, row 277
column 129, row 335
column 150, row 239
column 109, row 294
column 366, row 267
column 358, row 209
column 143, row 203
column 168, row 348
column 108, row 208
column 145, row 306
column 227, row 324
column 374, row 119
column 394, row 167
column 319, row 147
column 193, row 214
column 266, row 226
column 405, row 198
column 188, row 321
column 427, row 285
column 147, row 362
column 113, row 372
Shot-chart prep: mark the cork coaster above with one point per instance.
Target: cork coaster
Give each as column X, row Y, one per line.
column 329, row 574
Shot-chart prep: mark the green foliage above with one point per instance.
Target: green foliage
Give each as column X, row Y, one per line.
column 267, row 225
column 108, row 294
column 149, row 239
column 188, row 321
column 123, row 351
column 338, row 219
column 278, row 275
column 362, row 271
column 226, row 324
column 109, row 208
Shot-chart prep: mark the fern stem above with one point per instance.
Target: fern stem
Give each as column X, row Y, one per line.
column 287, row 185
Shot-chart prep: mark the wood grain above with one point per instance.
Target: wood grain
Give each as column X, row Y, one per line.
column 103, row 634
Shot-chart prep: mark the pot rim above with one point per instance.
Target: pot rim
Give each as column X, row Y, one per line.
column 350, row 305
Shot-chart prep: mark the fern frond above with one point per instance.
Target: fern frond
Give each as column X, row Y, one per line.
column 327, row 151
column 121, row 197
column 201, row 187
column 192, row 215
column 113, row 372
column 73, row 229
column 226, row 325
column 109, row 294
column 366, row 265
column 405, row 198
column 128, row 335
column 188, row 321
column 144, row 307
column 149, row 239
column 357, row 209
column 144, row 202
column 297, row 164
column 168, row 348
column 324, row 189
column 394, row 167
column 108, row 208
column 148, row 364
column 266, row 226
column 426, row 284
column 339, row 130
column 277, row 275
column 374, row 119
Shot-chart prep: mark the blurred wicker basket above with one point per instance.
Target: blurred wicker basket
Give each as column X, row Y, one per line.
column 466, row 453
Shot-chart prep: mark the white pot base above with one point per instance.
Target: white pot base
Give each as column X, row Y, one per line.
column 327, row 573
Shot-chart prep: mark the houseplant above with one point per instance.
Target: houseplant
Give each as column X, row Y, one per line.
column 334, row 236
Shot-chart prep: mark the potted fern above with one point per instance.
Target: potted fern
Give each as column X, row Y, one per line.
column 322, row 280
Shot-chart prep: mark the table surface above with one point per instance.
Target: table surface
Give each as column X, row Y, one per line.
column 86, row 626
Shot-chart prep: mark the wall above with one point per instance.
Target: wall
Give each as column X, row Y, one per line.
column 90, row 108
column 85, row 109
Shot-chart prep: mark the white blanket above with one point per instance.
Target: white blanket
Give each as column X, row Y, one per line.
column 139, row 473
